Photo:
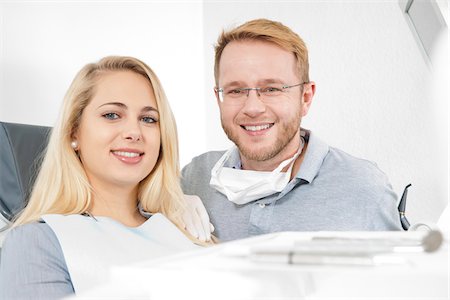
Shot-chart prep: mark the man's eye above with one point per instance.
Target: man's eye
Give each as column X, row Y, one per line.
column 234, row 92
column 270, row 90
column 149, row 120
column 111, row 116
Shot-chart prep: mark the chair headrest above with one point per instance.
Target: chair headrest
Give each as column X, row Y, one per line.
column 21, row 152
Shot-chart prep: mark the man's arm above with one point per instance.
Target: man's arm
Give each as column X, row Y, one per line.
column 386, row 216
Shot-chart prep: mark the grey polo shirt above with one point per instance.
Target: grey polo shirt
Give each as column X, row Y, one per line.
column 332, row 191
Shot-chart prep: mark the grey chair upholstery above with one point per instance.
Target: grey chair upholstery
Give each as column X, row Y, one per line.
column 21, row 151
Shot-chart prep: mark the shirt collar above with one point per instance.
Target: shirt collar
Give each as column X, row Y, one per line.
column 141, row 211
column 315, row 154
column 234, row 161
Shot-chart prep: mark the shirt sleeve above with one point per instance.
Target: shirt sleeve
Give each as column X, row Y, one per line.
column 32, row 265
column 385, row 217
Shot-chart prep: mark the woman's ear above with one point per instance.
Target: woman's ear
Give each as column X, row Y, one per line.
column 74, row 145
column 74, row 141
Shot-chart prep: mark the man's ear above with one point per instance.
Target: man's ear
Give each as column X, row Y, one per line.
column 217, row 97
column 309, row 89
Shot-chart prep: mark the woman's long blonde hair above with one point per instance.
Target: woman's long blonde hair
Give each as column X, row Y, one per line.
column 62, row 186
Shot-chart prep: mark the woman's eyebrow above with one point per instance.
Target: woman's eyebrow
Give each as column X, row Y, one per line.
column 120, row 104
column 149, row 108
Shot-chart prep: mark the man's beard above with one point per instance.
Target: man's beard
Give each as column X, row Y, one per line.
column 288, row 131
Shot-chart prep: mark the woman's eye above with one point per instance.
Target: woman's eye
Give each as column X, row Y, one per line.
column 111, row 116
column 149, row 120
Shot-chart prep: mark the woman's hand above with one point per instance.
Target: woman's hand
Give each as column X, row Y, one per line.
column 196, row 219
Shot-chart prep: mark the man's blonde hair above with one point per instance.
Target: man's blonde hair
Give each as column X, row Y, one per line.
column 269, row 31
column 62, row 186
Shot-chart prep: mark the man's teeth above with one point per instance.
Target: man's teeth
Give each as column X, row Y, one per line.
column 256, row 128
column 126, row 154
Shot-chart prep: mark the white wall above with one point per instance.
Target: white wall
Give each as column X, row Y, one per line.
column 44, row 44
column 373, row 95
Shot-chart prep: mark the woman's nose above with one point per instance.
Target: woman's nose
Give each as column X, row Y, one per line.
column 133, row 136
column 133, row 132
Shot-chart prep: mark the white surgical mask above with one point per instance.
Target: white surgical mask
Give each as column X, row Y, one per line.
column 244, row 186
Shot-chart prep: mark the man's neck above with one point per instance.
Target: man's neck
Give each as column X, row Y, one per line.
column 271, row 164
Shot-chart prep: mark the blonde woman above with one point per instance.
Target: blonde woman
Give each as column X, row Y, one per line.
column 108, row 189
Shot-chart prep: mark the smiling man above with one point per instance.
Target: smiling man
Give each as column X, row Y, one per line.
column 279, row 176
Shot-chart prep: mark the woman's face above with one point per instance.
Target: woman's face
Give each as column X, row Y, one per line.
column 119, row 136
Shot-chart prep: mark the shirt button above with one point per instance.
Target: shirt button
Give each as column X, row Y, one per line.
column 262, row 205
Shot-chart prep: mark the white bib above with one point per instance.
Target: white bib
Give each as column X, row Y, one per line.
column 92, row 246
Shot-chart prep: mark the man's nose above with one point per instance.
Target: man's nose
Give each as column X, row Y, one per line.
column 253, row 105
column 253, row 89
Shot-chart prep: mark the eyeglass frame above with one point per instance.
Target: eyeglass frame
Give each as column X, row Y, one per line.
column 219, row 90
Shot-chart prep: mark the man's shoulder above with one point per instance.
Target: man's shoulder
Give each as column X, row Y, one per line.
column 198, row 172
column 333, row 159
column 207, row 159
column 355, row 167
column 340, row 156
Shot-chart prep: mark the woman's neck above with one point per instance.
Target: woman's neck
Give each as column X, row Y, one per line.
column 118, row 203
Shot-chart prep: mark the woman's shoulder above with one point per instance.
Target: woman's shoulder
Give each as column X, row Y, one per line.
column 30, row 230
column 32, row 252
column 37, row 234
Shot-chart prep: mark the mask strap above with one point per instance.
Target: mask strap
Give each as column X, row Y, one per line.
column 221, row 162
column 289, row 160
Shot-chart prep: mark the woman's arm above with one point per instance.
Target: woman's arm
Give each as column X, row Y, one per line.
column 32, row 265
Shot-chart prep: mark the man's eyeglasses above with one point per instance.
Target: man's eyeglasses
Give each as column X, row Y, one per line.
column 237, row 96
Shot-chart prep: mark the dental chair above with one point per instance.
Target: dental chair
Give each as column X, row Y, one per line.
column 21, row 150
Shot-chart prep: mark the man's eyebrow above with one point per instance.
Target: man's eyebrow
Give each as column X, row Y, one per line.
column 260, row 82
column 233, row 83
column 271, row 80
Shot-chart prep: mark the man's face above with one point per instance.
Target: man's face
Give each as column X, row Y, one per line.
column 263, row 128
